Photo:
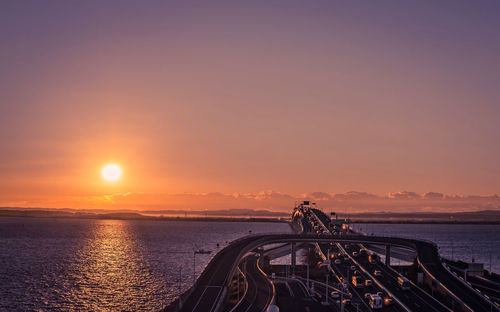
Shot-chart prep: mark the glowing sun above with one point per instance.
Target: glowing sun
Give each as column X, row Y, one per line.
column 111, row 172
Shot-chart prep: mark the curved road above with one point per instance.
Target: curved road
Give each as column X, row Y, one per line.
column 260, row 290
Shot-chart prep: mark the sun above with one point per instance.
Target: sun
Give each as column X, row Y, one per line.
column 111, row 172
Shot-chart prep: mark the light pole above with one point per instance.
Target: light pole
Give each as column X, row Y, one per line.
column 342, row 301
column 238, row 283
column 180, row 278
column 326, row 289
column 357, row 307
column 307, row 266
column 490, row 262
column 194, row 266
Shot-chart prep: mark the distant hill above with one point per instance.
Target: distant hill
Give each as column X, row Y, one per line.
column 484, row 216
column 226, row 215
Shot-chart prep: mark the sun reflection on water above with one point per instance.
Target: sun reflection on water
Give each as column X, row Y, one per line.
column 105, row 265
column 110, row 266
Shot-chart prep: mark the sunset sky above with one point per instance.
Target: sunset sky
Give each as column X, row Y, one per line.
column 252, row 100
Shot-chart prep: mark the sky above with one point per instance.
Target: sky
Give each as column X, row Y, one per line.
column 285, row 98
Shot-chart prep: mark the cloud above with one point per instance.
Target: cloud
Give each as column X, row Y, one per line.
column 405, row 195
column 272, row 195
column 433, row 195
column 319, row 196
column 350, row 202
column 352, row 195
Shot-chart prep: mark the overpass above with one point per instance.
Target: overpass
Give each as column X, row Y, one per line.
column 209, row 291
column 461, row 296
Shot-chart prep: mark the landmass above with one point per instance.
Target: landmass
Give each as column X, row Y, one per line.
column 250, row 215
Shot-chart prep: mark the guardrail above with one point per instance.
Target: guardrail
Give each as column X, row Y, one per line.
column 244, row 293
column 273, row 297
column 423, row 291
column 469, row 286
column 449, row 292
column 374, row 279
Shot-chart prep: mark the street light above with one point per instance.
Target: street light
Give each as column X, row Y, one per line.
column 180, row 278
column 195, row 252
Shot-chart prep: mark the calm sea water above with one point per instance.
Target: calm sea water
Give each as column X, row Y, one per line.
column 106, row 265
column 458, row 241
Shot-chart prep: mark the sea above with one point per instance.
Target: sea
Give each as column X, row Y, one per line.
column 466, row 242
column 142, row 265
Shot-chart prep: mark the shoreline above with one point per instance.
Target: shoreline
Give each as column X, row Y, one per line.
column 423, row 222
column 143, row 218
column 136, row 217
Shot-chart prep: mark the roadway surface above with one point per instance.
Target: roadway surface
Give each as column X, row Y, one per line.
column 208, row 291
column 415, row 298
column 398, row 253
column 260, row 290
column 428, row 256
column 489, row 287
column 345, row 270
column 292, row 296
column 341, row 273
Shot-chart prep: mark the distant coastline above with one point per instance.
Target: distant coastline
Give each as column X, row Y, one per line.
column 470, row 217
column 249, row 215
column 63, row 214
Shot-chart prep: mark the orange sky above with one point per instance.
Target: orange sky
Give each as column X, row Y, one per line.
column 244, row 98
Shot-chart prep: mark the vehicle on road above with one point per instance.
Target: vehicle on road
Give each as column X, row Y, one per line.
column 337, row 261
column 353, row 268
column 346, row 302
column 354, row 254
column 373, row 258
column 403, row 283
column 368, row 282
column 375, row 301
column 377, row 273
column 387, row 301
column 335, row 294
column 358, row 281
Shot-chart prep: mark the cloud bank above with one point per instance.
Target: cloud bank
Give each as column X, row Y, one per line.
column 349, row 202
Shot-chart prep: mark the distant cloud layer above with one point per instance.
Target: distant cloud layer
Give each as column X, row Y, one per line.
column 348, row 202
